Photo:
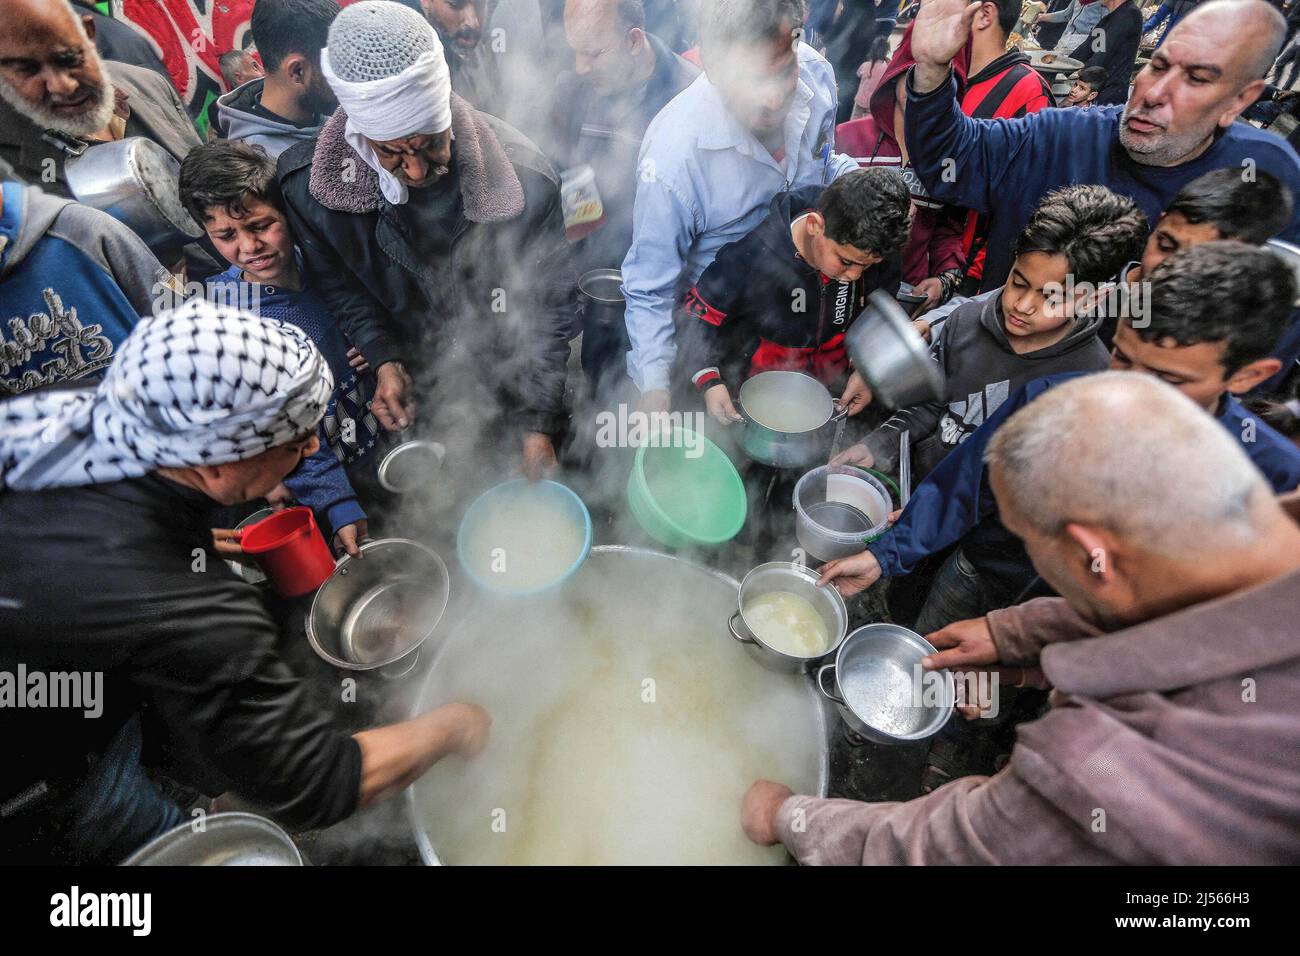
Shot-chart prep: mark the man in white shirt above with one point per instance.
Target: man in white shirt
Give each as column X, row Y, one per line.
column 760, row 120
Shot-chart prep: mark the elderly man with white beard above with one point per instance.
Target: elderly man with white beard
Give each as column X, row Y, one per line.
column 57, row 94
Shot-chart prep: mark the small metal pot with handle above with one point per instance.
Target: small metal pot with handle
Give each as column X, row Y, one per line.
column 799, row 580
column 880, row 689
column 374, row 612
column 779, row 447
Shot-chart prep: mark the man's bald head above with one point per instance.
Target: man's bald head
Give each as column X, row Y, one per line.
column 50, row 72
column 1253, row 30
column 1208, row 70
column 1116, row 480
column 609, row 44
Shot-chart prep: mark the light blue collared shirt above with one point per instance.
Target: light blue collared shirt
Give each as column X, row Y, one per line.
column 705, row 181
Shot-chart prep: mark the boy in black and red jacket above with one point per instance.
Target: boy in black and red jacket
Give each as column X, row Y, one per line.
column 783, row 296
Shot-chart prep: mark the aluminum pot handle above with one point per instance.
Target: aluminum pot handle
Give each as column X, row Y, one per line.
column 731, row 626
column 821, row 685
column 841, row 411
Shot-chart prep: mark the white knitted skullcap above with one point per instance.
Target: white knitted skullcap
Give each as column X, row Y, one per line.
column 375, row 39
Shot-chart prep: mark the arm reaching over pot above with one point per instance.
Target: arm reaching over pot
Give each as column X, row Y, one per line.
column 393, row 757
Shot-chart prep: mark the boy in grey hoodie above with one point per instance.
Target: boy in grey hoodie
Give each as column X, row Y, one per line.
column 1042, row 322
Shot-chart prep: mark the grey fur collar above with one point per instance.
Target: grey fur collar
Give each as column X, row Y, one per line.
column 489, row 186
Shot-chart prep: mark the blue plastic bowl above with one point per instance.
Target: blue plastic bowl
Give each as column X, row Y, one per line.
column 497, row 495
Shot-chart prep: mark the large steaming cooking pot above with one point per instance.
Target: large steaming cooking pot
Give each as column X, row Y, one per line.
column 626, row 727
column 134, row 180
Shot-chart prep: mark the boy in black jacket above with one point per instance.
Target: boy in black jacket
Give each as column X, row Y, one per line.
column 784, row 295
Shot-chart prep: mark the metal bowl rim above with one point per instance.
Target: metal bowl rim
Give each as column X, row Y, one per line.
column 750, row 419
column 811, row 576
column 908, row 636
column 343, row 562
column 225, row 820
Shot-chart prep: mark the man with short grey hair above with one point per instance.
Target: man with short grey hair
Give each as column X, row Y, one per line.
column 761, row 120
column 1173, row 731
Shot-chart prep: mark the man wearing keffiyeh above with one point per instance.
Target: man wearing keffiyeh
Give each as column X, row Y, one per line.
column 106, row 495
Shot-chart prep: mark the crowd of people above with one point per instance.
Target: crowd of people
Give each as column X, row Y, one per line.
column 392, row 216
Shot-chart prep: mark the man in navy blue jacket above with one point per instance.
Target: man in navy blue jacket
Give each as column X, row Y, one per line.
column 1178, row 124
column 1214, row 312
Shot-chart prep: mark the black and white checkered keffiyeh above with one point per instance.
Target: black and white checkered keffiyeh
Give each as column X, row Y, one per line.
column 200, row 385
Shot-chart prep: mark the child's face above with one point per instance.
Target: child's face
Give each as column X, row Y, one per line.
column 1195, row 370
column 1029, row 304
column 835, row 260
column 259, row 242
column 1172, row 233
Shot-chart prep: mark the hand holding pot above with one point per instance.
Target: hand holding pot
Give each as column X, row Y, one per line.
column 718, row 403
column 851, row 575
column 349, row 537
column 857, row 454
column 758, row 812
column 962, row 644
column 392, row 403
column 226, row 543
column 857, row 395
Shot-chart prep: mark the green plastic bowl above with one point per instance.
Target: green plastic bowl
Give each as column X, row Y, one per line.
column 682, row 501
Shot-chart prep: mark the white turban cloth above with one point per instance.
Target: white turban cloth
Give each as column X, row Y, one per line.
column 200, row 385
column 410, row 103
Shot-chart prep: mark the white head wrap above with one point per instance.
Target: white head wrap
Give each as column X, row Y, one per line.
column 200, row 385
column 385, row 64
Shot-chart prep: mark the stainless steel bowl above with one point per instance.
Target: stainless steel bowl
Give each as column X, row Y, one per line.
column 891, row 355
column 134, row 180
column 226, row 839
column 785, row 576
column 411, row 464
column 376, row 610
column 881, row 690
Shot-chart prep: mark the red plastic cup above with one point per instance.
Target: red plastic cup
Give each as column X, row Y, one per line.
column 290, row 550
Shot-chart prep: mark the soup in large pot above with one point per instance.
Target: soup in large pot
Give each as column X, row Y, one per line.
column 627, row 725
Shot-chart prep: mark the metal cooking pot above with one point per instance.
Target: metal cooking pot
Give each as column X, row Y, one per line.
column 891, row 355
column 784, row 576
column 135, row 181
column 523, row 655
column 375, row 611
column 226, row 839
column 602, row 298
column 876, row 687
column 786, row 449
column 410, row 464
